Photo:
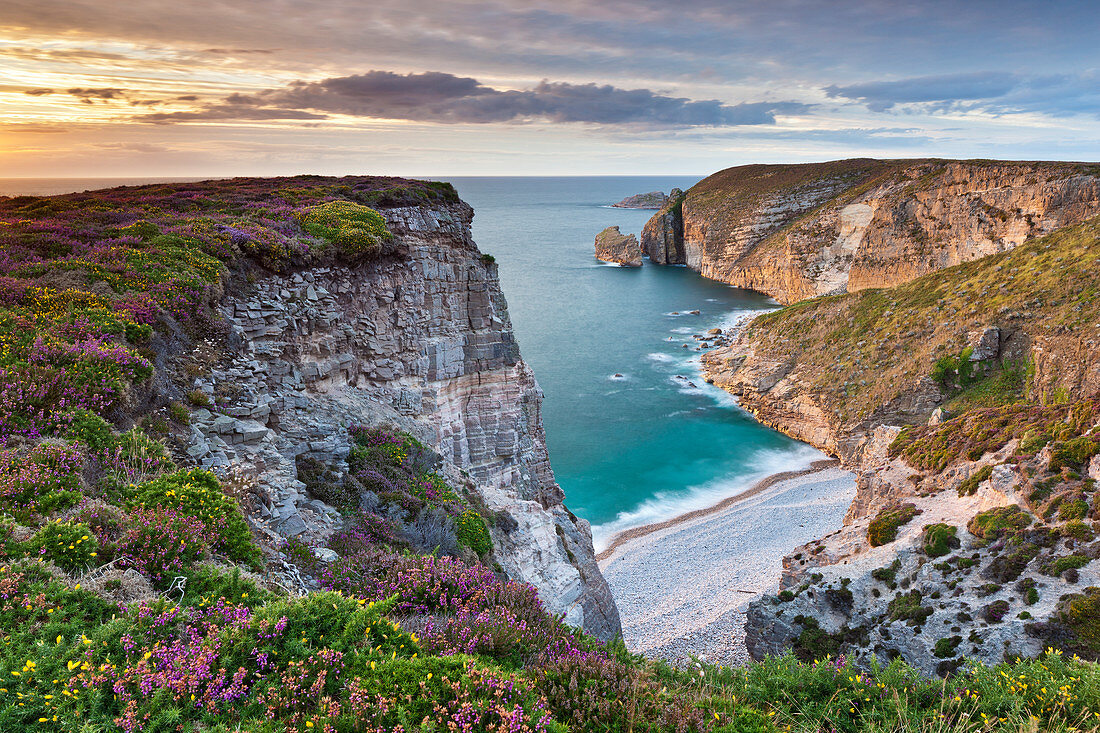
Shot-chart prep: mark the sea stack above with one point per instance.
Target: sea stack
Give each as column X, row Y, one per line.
column 614, row 246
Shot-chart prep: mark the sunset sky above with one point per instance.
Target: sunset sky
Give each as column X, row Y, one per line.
column 452, row 87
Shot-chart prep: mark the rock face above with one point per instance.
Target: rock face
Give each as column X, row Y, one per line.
column 798, row 231
column 923, row 391
column 663, row 235
column 614, row 246
column 651, row 200
column 423, row 342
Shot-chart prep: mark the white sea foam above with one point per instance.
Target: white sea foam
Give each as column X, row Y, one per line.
column 665, row 505
column 660, row 357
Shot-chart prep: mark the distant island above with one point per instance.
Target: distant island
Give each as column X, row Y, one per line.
column 651, row 200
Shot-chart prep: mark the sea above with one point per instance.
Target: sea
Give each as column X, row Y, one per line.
column 635, row 435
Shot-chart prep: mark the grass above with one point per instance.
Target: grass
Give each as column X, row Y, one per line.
column 865, row 350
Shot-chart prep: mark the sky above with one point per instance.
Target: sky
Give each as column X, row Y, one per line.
column 537, row 87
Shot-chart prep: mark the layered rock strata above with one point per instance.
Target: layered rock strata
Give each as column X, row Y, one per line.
column 422, row 341
column 799, row 231
column 614, row 246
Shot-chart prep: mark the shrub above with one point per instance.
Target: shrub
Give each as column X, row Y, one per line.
column 995, row 611
column 993, row 523
column 884, row 527
column 591, row 693
column 366, row 530
column 357, row 232
column 162, row 541
column 939, row 539
column 1078, row 530
column 1060, row 565
column 41, row 480
column 1073, row 453
column 907, row 607
column 69, row 545
column 946, row 647
column 472, row 532
column 198, row 494
column 207, row 584
column 887, row 574
column 970, row 484
column 198, row 398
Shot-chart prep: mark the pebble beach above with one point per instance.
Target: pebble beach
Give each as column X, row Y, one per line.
column 683, row 586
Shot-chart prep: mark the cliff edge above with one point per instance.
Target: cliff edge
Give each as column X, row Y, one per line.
column 799, row 231
column 966, row 401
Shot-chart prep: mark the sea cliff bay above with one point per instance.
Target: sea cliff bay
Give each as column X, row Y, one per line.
column 275, row 457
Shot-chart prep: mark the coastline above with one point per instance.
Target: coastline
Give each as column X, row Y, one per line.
column 683, row 587
column 628, row 535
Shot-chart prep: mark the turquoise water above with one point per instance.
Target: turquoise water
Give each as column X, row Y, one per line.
column 658, row 441
column 646, row 447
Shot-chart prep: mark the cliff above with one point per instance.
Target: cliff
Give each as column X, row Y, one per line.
column 280, row 318
column 422, row 341
column 799, row 231
column 614, row 246
column 967, row 397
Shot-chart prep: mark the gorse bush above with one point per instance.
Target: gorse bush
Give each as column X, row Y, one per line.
column 196, row 493
column 355, row 230
column 69, row 545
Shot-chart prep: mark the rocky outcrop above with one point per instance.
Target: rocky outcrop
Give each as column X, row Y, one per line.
column 651, row 200
column 422, row 341
column 941, row 394
column 614, row 246
column 798, row 231
column 663, row 234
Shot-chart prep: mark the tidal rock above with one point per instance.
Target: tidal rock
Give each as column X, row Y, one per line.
column 622, row 249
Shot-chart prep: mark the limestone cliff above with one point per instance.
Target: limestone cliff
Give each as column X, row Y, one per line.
column 423, row 341
column 622, row 249
column 798, row 231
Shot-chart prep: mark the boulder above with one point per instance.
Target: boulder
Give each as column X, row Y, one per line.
column 622, row 249
column 985, row 344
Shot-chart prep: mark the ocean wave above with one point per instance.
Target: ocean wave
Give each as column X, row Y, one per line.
column 665, row 505
column 660, row 357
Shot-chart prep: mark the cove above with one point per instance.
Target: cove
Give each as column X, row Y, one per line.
column 657, row 441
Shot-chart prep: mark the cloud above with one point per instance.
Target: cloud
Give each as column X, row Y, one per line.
column 103, row 94
column 995, row 93
column 445, row 98
column 880, row 96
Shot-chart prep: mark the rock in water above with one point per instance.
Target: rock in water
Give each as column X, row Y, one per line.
column 651, row 200
column 614, row 246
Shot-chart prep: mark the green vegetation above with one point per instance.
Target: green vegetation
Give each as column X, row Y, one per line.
column 866, row 349
column 970, row 484
column 884, row 527
column 356, row 231
column 907, row 607
column 991, row 524
column 938, row 539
